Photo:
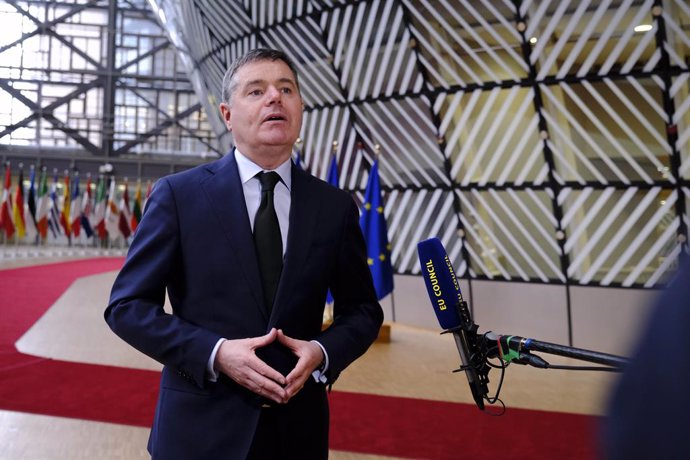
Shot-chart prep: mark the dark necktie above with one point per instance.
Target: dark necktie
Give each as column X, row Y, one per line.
column 267, row 239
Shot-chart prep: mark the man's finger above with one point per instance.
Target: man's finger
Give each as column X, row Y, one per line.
column 285, row 340
column 261, row 384
column 270, row 337
column 268, row 389
column 237, row 359
column 296, row 383
column 267, row 372
column 297, row 377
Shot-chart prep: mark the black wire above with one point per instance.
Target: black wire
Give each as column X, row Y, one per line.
column 492, row 400
column 500, row 412
column 503, row 364
column 586, row 368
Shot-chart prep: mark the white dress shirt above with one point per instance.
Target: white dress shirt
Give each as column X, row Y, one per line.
column 281, row 201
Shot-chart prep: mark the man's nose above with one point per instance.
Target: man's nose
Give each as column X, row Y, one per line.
column 273, row 94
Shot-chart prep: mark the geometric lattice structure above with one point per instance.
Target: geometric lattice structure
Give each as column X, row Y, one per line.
column 83, row 83
column 543, row 141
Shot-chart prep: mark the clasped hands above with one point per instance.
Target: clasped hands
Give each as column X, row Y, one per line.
column 237, row 359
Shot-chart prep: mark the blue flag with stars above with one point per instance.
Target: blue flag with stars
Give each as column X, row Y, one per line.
column 298, row 160
column 332, row 179
column 333, row 172
column 373, row 223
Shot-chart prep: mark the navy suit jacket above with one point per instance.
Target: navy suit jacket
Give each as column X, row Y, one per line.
column 648, row 415
column 195, row 241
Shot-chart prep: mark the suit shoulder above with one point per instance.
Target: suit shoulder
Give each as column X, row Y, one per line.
column 192, row 175
column 326, row 190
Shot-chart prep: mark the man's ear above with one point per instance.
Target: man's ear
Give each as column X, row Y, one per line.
column 226, row 114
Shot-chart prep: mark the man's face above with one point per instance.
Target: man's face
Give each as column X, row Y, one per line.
column 266, row 108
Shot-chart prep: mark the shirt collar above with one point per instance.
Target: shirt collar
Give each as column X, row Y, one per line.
column 248, row 169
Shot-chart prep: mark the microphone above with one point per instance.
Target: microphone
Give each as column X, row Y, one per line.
column 453, row 314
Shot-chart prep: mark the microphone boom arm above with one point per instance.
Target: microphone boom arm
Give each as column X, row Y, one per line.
column 521, row 344
column 514, row 349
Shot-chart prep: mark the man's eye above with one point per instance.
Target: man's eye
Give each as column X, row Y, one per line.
column 256, row 92
column 287, row 90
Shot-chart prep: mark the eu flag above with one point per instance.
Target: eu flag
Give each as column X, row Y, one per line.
column 333, row 172
column 373, row 223
column 298, row 160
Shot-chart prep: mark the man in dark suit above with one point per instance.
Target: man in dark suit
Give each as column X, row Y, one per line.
column 246, row 362
column 648, row 414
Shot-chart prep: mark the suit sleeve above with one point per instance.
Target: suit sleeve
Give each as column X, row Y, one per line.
column 357, row 315
column 135, row 310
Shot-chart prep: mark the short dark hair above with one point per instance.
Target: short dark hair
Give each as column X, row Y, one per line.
column 255, row 55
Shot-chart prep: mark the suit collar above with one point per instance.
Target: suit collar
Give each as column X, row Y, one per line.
column 248, row 169
column 223, row 189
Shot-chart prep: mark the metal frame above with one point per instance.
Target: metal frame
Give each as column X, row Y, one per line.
column 104, row 79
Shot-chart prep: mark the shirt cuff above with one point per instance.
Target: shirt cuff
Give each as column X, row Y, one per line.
column 319, row 374
column 211, row 373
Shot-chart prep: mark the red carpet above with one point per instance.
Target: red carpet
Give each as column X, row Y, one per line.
column 53, row 387
column 401, row 427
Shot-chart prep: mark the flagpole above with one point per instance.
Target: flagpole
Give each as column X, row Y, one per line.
column 298, row 158
column 332, row 178
column 334, row 162
column 14, row 205
column 67, row 197
column 393, row 306
column 21, row 227
column 377, row 156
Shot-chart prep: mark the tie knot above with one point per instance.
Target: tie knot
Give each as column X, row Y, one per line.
column 268, row 180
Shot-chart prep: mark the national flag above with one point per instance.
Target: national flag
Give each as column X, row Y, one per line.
column 125, row 213
column 298, row 160
column 43, row 205
column 54, row 216
column 112, row 213
column 30, row 206
column 149, row 187
column 18, row 206
column 6, row 223
column 99, row 208
column 75, row 207
column 332, row 178
column 66, row 199
column 373, row 223
column 31, row 196
column 136, row 209
column 86, row 208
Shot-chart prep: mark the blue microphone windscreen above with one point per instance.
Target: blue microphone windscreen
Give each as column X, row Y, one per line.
column 441, row 282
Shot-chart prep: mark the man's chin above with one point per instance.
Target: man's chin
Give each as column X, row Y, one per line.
column 278, row 140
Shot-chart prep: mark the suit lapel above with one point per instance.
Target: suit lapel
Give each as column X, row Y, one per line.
column 223, row 189
column 304, row 215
